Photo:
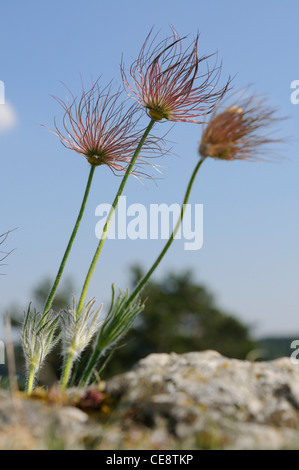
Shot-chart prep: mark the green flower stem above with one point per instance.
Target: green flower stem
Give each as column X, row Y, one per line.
column 110, row 215
column 70, row 243
column 68, row 360
column 30, row 381
column 66, row 371
column 95, row 356
column 144, row 280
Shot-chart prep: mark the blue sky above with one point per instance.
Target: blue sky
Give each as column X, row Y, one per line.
column 249, row 259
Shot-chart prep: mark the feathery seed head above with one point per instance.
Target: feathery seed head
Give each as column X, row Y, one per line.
column 167, row 80
column 239, row 132
column 99, row 126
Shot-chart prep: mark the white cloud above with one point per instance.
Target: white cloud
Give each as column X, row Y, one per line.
column 8, row 117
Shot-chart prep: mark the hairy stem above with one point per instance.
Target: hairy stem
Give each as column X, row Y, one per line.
column 66, row 371
column 144, row 280
column 96, row 354
column 110, row 215
column 68, row 360
column 30, row 381
column 70, row 243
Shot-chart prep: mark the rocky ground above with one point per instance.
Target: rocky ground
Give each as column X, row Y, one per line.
column 198, row 400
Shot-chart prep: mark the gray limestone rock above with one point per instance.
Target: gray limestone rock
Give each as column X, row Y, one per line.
column 197, row 400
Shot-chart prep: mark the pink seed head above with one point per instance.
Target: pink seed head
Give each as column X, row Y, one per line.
column 167, row 80
column 240, row 131
column 98, row 126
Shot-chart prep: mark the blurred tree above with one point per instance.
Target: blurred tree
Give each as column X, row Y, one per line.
column 180, row 316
